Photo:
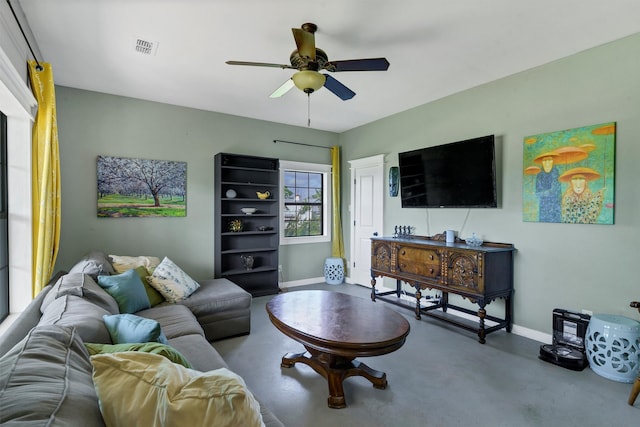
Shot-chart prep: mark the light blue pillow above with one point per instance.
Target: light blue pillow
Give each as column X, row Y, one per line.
column 128, row 291
column 129, row 328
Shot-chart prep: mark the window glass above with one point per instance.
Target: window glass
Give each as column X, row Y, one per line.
column 305, row 210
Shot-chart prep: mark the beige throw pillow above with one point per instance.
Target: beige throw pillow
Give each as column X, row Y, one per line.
column 148, row 390
column 122, row 263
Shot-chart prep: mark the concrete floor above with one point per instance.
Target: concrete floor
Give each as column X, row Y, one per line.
column 442, row 376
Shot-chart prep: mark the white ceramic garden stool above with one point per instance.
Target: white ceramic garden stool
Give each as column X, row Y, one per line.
column 333, row 271
column 613, row 347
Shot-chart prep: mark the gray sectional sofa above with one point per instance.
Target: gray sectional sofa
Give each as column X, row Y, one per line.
column 46, row 369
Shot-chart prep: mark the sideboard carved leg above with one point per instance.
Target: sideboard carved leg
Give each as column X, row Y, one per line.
column 482, row 313
column 373, row 288
column 444, row 301
column 418, row 296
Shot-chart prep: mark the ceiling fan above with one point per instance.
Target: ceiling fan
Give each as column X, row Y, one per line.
column 309, row 60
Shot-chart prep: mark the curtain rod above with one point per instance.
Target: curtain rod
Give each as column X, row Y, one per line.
column 301, row 143
column 38, row 67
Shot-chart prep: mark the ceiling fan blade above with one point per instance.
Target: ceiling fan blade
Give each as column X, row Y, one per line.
column 284, row 88
column 306, row 43
column 338, row 89
column 260, row 64
column 369, row 64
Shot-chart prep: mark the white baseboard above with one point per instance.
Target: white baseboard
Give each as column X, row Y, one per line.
column 532, row 334
column 303, row 282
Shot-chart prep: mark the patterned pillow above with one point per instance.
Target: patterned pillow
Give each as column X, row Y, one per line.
column 173, row 283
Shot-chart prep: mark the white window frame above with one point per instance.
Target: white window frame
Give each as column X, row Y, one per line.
column 325, row 170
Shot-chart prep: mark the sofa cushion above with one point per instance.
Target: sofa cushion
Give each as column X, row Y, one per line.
column 94, row 264
column 129, row 328
column 172, row 282
column 147, row 389
column 122, row 263
column 200, row 353
column 127, row 289
column 80, row 285
column 223, row 308
column 163, row 350
column 217, row 296
column 71, row 310
column 46, row 381
column 24, row 322
column 175, row 320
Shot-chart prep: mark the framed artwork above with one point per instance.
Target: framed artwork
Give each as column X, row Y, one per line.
column 394, row 176
column 141, row 188
column 568, row 175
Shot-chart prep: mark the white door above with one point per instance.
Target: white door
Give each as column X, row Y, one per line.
column 367, row 207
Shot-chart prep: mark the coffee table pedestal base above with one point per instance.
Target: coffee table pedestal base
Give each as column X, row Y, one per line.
column 335, row 369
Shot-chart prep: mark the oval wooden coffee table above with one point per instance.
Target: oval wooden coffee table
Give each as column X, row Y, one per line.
column 335, row 328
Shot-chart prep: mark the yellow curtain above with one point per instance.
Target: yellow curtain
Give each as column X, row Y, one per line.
column 337, row 246
column 45, row 180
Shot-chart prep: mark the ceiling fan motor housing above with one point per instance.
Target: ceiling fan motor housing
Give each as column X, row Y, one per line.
column 304, row 63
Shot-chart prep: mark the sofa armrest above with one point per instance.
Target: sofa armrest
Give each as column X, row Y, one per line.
column 26, row 320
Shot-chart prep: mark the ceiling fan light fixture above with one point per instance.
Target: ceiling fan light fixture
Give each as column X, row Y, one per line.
column 308, row 81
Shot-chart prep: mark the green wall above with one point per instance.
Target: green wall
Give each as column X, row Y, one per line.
column 92, row 124
column 573, row 266
column 556, row 265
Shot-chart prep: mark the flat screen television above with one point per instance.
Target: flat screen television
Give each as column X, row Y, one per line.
column 456, row 175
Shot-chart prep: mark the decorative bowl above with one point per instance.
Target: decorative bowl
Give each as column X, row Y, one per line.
column 248, row 211
column 231, row 193
column 264, row 228
column 474, row 240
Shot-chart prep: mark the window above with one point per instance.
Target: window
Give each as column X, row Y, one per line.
column 305, row 207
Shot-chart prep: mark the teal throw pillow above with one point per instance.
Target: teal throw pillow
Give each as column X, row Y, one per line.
column 129, row 328
column 127, row 289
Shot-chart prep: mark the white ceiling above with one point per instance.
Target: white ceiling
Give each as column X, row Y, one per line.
column 435, row 47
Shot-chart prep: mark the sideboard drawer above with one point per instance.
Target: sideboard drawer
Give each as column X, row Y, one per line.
column 418, row 261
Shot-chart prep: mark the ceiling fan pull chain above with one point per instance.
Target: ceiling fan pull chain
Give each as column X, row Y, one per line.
column 308, row 110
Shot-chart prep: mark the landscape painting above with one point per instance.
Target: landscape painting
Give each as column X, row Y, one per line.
column 141, row 188
column 568, row 175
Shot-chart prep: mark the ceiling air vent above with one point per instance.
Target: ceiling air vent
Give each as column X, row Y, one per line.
column 145, row 47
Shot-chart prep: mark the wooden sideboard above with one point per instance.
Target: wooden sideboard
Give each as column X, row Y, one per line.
column 480, row 274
